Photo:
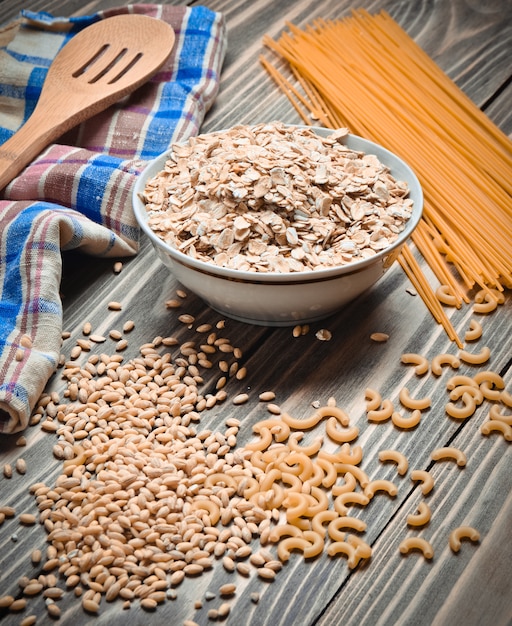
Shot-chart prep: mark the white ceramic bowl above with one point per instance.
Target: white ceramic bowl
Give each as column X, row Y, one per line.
column 278, row 299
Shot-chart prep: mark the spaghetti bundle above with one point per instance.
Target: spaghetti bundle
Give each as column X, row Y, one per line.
column 364, row 72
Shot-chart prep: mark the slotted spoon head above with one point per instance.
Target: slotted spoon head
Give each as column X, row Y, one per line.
column 97, row 67
column 110, row 59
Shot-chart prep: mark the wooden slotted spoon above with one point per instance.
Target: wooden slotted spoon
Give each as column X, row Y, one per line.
column 96, row 68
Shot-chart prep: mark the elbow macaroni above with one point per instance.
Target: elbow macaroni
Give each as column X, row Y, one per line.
column 294, row 481
column 373, row 399
column 444, row 359
column 421, row 362
column 426, row 480
column 497, row 426
column 380, row 485
column 401, row 421
column 396, row 457
column 475, row 359
column 446, row 296
column 475, row 331
column 411, row 403
column 449, row 453
column 422, row 517
column 495, row 414
column 460, row 533
column 382, row 414
column 417, row 543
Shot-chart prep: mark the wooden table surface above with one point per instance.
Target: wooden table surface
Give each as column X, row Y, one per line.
column 471, row 40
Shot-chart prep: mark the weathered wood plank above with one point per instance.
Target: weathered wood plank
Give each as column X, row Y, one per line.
column 499, row 110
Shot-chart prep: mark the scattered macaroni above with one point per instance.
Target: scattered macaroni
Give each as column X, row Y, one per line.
column 490, row 392
column 296, row 505
column 363, row 549
column 427, row 482
column 300, row 479
column 360, row 475
column 449, row 453
column 494, row 426
column 353, row 497
column 475, row 359
column 484, row 295
column 300, row 424
column 396, row 457
column 491, row 384
column 294, row 481
column 318, row 502
column 273, row 498
column 316, row 417
column 373, row 399
column 346, row 455
column 279, row 429
column 460, row 379
column 211, row 508
column 444, row 359
column 446, row 296
column 310, row 544
column 421, row 362
column 263, row 442
column 493, row 379
column 310, row 450
column 353, row 455
column 330, row 473
column 331, row 410
column 354, row 550
column 486, row 301
column 506, row 398
column 318, row 521
column 269, row 478
column 417, row 543
column 488, row 306
column 248, row 486
column 495, row 414
column 411, row 403
column 462, row 412
column 299, row 464
column 475, row 331
column 317, row 544
column 284, row 530
column 257, row 459
column 220, row 478
column 380, row 485
column 344, row 521
column 474, row 391
column 460, row 533
column 348, row 486
column 315, row 479
column 340, row 436
column 401, row 421
column 422, row 517
column 382, row 414
column 343, row 547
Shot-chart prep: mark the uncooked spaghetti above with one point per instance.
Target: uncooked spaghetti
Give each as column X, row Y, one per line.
column 366, row 73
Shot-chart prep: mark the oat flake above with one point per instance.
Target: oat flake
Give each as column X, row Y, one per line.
column 275, row 198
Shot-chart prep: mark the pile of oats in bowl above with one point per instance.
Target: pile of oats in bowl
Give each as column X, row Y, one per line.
column 275, row 198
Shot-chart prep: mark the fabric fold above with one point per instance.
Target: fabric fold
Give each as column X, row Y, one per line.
column 77, row 193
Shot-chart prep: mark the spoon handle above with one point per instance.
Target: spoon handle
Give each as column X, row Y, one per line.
column 20, row 149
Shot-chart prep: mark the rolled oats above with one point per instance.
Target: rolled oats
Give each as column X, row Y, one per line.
column 275, row 198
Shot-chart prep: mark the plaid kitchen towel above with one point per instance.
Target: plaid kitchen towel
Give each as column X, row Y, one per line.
column 76, row 194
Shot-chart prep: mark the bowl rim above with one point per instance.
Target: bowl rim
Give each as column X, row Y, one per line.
column 156, row 165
